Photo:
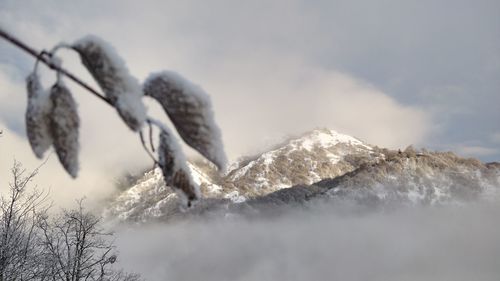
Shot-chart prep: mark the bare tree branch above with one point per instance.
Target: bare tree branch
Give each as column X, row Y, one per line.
column 44, row 57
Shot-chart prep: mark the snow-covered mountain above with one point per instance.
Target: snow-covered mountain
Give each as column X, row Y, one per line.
column 402, row 178
column 318, row 165
column 310, row 158
column 151, row 198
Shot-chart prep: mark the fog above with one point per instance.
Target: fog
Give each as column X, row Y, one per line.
column 323, row 243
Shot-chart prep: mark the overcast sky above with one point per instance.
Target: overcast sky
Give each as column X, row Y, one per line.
column 391, row 73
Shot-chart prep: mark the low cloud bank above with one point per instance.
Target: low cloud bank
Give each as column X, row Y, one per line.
column 325, row 243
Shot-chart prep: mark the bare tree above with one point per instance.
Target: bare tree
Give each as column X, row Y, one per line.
column 75, row 247
column 19, row 257
column 70, row 246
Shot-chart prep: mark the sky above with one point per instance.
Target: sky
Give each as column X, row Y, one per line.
column 392, row 73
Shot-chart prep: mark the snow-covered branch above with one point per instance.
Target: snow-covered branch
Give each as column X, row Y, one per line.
column 52, row 119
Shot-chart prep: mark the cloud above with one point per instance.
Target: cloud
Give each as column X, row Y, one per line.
column 290, row 97
column 323, row 243
column 99, row 168
column 474, row 150
column 12, row 97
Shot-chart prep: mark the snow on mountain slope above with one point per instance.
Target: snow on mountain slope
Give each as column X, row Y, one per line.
column 320, row 165
column 314, row 156
column 207, row 185
column 143, row 200
column 150, row 198
column 401, row 178
column 418, row 179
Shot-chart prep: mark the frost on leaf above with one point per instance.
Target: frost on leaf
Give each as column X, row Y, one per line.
column 190, row 110
column 175, row 171
column 37, row 116
column 65, row 125
column 110, row 72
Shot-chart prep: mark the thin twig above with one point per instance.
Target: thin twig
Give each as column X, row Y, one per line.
column 47, row 61
column 141, row 136
column 151, row 136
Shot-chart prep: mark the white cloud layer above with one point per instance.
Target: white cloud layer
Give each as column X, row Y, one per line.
column 448, row 243
column 269, row 96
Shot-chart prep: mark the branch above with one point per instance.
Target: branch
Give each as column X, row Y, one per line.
column 47, row 61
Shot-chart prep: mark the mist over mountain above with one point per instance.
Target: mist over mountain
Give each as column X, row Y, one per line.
column 322, row 242
column 319, row 167
column 322, row 206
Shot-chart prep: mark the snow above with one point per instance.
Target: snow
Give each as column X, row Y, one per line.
column 326, row 138
column 148, row 192
column 235, row 197
column 37, row 116
column 190, row 109
column 150, row 197
column 170, row 146
column 175, row 170
column 320, row 141
column 112, row 75
column 232, row 167
column 201, row 179
column 65, row 124
column 243, row 170
column 313, row 177
column 333, row 157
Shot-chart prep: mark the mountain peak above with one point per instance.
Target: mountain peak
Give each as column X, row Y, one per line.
column 315, row 155
column 325, row 138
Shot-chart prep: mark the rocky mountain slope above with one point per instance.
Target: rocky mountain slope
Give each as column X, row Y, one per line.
column 403, row 178
column 321, row 165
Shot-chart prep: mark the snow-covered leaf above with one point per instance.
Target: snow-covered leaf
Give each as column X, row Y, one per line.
column 65, row 125
column 175, row 171
column 37, row 116
column 110, row 72
column 190, row 110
